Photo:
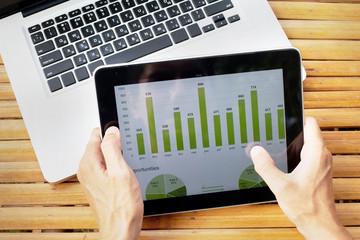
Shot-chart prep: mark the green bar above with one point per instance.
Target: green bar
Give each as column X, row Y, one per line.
column 217, row 127
column 192, row 135
column 166, row 137
column 178, row 131
column 255, row 116
column 203, row 117
column 151, row 122
column 140, row 143
column 281, row 123
column 268, row 126
column 230, row 128
column 242, row 117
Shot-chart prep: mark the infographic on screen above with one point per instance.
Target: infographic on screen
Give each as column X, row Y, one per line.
column 192, row 136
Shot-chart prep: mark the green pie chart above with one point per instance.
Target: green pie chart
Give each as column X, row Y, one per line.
column 250, row 179
column 165, row 186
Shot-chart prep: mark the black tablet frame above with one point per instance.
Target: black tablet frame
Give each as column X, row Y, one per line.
column 288, row 60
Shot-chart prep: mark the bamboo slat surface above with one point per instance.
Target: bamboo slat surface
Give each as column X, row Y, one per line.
column 327, row 33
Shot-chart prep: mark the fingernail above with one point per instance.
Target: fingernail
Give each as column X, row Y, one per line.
column 111, row 130
column 256, row 150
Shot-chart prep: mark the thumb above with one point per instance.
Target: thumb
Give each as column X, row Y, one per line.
column 265, row 167
column 111, row 149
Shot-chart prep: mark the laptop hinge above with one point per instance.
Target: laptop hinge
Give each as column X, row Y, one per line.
column 39, row 6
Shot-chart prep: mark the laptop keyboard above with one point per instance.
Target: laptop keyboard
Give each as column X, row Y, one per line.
column 71, row 46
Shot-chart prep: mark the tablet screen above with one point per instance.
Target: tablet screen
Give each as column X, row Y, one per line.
column 191, row 136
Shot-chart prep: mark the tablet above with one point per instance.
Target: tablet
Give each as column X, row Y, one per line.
column 187, row 125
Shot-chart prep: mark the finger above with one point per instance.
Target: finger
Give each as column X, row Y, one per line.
column 265, row 167
column 312, row 132
column 111, row 148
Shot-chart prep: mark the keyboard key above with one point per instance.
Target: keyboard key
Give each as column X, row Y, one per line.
column 89, row 17
column 113, row 21
column 134, row 25
column 88, row 8
column 179, row 36
column 146, row 34
column 115, row 7
column 198, row 14
column 94, row 65
column 194, row 30
column 139, row 11
column 74, row 13
column 76, row 22
column 140, row 50
column 199, row 3
column 108, row 35
column 159, row 29
column 50, row 58
column 126, row 16
column 173, row 11
column 120, row 44
column 80, row 60
column 172, row 24
column 100, row 26
column 133, row 39
column 81, row 74
column 101, row 3
column 106, row 49
column 69, row 51
column 63, row 27
column 165, row 3
column 61, row 41
column 54, row 84
column 148, row 21
column 61, row 18
column 185, row 19
column 186, row 6
column 218, row 7
column 82, row 46
column 121, row 31
column 221, row 23
column 152, row 6
column 102, row 12
column 74, row 36
column 208, row 28
column 128, row 3
column 44, row 47
column 68, row 79
column 34, row 28
column 141, row 1
column 93, row 54
column 177, row 1
column 160, row 16
column 58, row 68
column 37, row 37
column 47, row 23
column 95, row 41
column 234, row 18
column 218, row 18
column 87, row 31
column 50, row 32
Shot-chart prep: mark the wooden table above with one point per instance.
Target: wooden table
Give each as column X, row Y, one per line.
column 328, row 36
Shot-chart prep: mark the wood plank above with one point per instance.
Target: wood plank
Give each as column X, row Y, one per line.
column 342, row 142
column 253, row 216
column 6, row 92
column 332, row 68
column 314, row 29
column 332, row 99
column 328, row 49
column 336, row 118
column 17, row 151
column 315, row 10
column 346, row 166
column 11, row 172
column 9, row 109
column 346, row 188
column 331, row 84
column 3, row 75
column 13, row 129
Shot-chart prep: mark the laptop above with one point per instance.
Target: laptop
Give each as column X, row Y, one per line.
column 51, row 49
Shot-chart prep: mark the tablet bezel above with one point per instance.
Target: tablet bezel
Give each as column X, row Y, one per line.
column 289, row 60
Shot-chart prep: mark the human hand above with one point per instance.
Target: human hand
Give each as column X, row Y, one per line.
column 306, row 194
column 111, row 187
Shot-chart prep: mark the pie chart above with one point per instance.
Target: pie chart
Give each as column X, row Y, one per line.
column 165, row 186
column 250, row 179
